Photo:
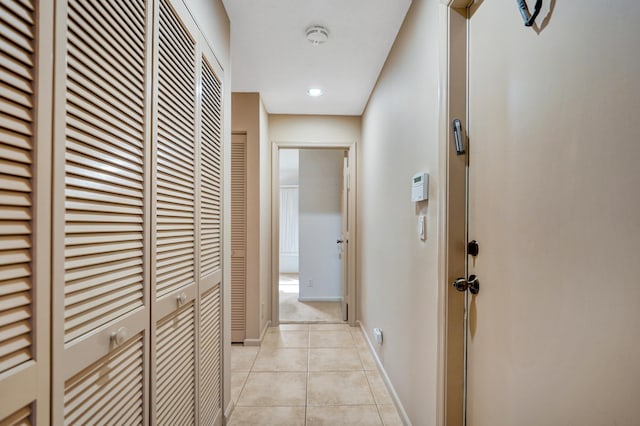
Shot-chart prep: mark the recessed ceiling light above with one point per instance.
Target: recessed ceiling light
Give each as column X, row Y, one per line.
column 314, row 92
column 317, row 34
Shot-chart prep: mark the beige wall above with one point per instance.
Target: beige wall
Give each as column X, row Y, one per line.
column 397, row 272
column 211, row 17
column 248, row 115
column 555, row 206
column 311, row 129
column 265, row 217
column 314, row 128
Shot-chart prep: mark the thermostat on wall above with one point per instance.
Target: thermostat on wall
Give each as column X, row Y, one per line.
column 420, row 187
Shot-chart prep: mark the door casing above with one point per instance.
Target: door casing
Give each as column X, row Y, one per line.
column 350, row 147
column 453, row 211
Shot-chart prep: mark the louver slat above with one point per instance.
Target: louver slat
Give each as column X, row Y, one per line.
column 175, row 366
column 211, row 147
column 210, row 353
column 110, row 390
column 175, row 176
column 104, row 174
column 17, row 40
column 21, row 417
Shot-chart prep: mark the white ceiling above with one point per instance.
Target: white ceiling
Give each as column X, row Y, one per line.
column 271, row 55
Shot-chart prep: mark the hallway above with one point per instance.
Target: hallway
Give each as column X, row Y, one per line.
column 309, row 374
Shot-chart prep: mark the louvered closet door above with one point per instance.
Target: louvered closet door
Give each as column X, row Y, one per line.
column 25, row 173
column 174, row 356
column 210, row 285
column 101, row 267
column 238, row 236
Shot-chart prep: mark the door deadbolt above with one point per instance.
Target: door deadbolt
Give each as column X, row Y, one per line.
column 473, row 248
column 463, row 284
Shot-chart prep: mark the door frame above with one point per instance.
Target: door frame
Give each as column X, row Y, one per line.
column 350, row 147
column 451, row 391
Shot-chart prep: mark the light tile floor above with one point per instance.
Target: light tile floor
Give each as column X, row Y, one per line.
column 309, row 374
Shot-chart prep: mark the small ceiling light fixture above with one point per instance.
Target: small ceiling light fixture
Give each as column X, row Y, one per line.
column 314, row 92
column 317, row 34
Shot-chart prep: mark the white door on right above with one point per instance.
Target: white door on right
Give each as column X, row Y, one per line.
column 555, row 207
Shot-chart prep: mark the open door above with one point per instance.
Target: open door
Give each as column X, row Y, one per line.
column 551, row 288
column 344, row 239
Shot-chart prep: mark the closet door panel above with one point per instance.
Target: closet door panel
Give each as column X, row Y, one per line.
column 210, row 357
column 25, row 152
column 175, row 366
column 101, row 257
column 104, row 157
column 21, row 417
column 210, row 176
column 175, row 179
column 174, row 260
column 210, row 285
column 110, row 391
column 16, row 188
column 238, row 237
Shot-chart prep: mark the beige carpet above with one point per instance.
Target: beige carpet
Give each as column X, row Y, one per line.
column 291, row 310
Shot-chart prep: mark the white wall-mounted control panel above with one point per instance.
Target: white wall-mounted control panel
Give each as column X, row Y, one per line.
column 420, row 187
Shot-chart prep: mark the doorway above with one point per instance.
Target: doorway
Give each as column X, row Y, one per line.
column 310, row 281
column 313, row 235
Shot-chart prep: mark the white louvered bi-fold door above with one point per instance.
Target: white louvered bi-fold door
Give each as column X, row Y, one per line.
column 175, row 261
column 210, row 284
column 238, row 236
column 25, row 150
column 101, row 214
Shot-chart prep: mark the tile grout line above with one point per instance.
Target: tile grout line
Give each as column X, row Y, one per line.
column 244, row 384
column 361, row 368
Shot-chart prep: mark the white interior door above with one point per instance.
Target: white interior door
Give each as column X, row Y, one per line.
column 210, row 291
column 25, row 206
column 101, row 213
column 344, row 239
column 175, row 255
column 553, row 181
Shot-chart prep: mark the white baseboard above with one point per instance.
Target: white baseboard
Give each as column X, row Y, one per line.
column 385, row 378
column 258, row 342
column 319, row 299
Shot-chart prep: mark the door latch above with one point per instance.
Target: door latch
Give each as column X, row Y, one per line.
column 463, row 284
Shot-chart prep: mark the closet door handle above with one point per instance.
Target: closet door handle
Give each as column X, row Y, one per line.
column 181, row 298
column 119, row 336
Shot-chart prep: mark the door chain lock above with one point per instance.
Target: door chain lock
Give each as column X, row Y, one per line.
column 472, row 284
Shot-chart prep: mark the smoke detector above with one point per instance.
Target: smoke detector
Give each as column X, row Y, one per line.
column 317, row 34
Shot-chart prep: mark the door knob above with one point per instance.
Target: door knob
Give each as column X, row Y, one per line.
column 118, row 337
column 181, row 298
column 339, row 241
column 463, row 284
